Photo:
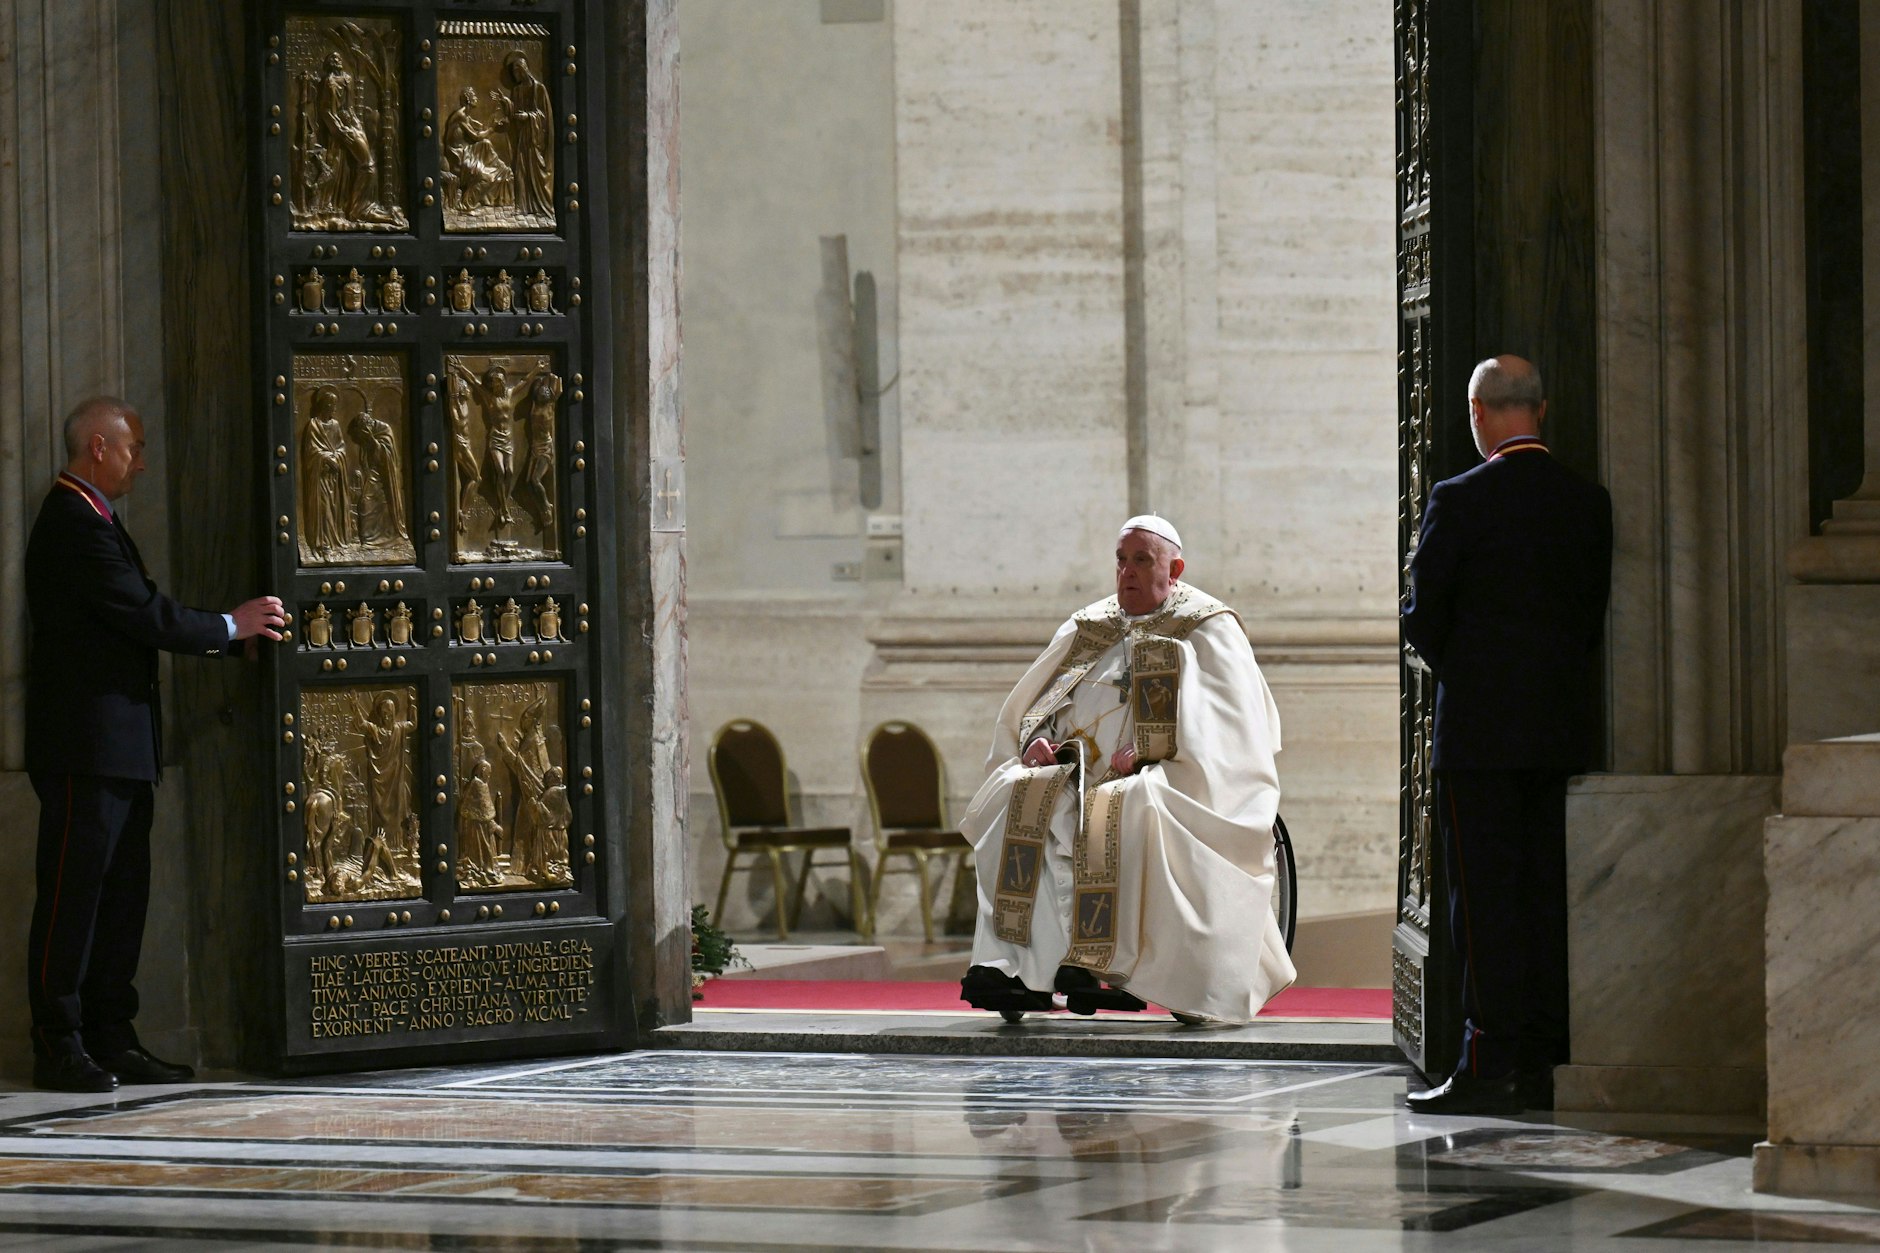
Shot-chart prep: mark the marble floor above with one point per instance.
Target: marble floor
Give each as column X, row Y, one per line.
column 795, row 1151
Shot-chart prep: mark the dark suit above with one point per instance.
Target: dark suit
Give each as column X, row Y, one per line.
column 1508, row 593
column 93, row 749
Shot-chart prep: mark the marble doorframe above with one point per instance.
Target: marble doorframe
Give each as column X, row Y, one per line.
column 647, row 709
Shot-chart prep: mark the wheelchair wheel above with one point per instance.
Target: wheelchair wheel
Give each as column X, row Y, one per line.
column 1285, row 881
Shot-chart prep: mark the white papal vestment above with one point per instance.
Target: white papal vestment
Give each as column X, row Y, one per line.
column 1163, row 883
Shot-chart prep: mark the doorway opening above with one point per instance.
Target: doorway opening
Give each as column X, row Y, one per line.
column 964, row 289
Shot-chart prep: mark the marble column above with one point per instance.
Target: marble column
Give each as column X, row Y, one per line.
column 1823, row 940
column 1701, row 361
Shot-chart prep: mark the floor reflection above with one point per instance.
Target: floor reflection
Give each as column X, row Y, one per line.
column 783, row 1152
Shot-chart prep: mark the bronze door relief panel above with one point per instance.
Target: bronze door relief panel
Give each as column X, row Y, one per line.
column 435, row 390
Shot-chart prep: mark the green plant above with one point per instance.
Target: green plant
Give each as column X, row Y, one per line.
column 712, row 950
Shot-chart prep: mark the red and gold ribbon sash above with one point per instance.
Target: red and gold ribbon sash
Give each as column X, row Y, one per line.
column 71, row 484
column 1520, row 443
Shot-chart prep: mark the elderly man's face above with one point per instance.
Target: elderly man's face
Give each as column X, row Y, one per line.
column 118, row 455
column 1146, row 568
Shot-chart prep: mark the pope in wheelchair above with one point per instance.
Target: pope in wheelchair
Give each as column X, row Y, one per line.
column 1124, row 836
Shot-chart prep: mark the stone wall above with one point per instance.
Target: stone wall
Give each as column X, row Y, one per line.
column 80, row 289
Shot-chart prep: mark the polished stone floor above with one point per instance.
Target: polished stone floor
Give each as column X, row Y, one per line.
column 797, row 1151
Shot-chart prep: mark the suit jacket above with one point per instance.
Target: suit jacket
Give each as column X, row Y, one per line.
column 1508, row 593
column 92, row 705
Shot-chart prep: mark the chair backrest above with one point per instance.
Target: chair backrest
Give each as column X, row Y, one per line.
column 906, row 779
column 748, row 776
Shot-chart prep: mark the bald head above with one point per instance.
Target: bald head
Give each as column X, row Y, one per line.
column 1507, row 381
column 104, row 444
column 1505, row 400
column 99, row 415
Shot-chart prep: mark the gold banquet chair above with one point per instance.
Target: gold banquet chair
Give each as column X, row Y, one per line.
column 907, row 795
column 750, row 780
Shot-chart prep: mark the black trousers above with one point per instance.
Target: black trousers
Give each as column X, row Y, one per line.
column 1505, row 844
column 93, row 873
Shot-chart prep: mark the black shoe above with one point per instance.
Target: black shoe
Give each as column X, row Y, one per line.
column 1075, row 979
column 986, row 988
column 71, row 1072
column 1466, row 1094
column 135, row 1065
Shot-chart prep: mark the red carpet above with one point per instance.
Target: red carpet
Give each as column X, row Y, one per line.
column 894, row 997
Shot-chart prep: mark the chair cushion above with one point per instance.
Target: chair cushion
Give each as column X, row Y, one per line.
column 795, row 837
column 941, row 838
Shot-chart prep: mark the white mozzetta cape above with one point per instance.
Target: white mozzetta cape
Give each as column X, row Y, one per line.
column 1194, row 927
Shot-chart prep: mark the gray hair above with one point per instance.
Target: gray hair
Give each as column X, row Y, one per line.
column 90, row 417
column 1501, row 385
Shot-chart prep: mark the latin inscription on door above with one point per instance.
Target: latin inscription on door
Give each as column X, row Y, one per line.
column 448, row 986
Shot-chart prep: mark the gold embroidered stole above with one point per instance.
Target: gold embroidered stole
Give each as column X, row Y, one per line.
column 1155, row 693
column 1021, row 857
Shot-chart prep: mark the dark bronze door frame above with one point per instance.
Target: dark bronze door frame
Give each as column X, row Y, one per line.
column 1435, row 269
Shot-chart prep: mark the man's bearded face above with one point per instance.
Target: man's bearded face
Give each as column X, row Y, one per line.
column 1146, row 568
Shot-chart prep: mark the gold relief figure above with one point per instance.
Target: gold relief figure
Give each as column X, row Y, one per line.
column 313, row 292
column 552, row 818
column 362, row 828
column 345, row 160
column 353, row 459
column 463, row 292
column 362, row 625
column 496, row 149
column 463, row 457
column 475, row 178
column 513, row 810
column 536, row 488
column 325, row 821
column 325, row 486
column 398, row 625
column 468, row 748
column 497, row 396
column 489, row 395
column 386, row 730
column 509, row 621
column 502, row 293
column 392, row 292
column 381, row 498
column 478, row 832
column 531, row 124
column 527, row 756
column 319, row 627
column 541, row 293
column 352, row 293
column 548, row 620
column 470, row 623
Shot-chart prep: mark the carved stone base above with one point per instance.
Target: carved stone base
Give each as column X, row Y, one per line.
column 1818, row 1169
column 1713, row 1090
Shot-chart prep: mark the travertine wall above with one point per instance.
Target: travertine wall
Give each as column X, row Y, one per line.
column 1205, row 192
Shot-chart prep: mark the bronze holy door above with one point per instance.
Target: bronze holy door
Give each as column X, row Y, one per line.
column 434, row 378
column 1434, row 356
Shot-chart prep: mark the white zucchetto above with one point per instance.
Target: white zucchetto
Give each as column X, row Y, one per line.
column 1155, row 525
